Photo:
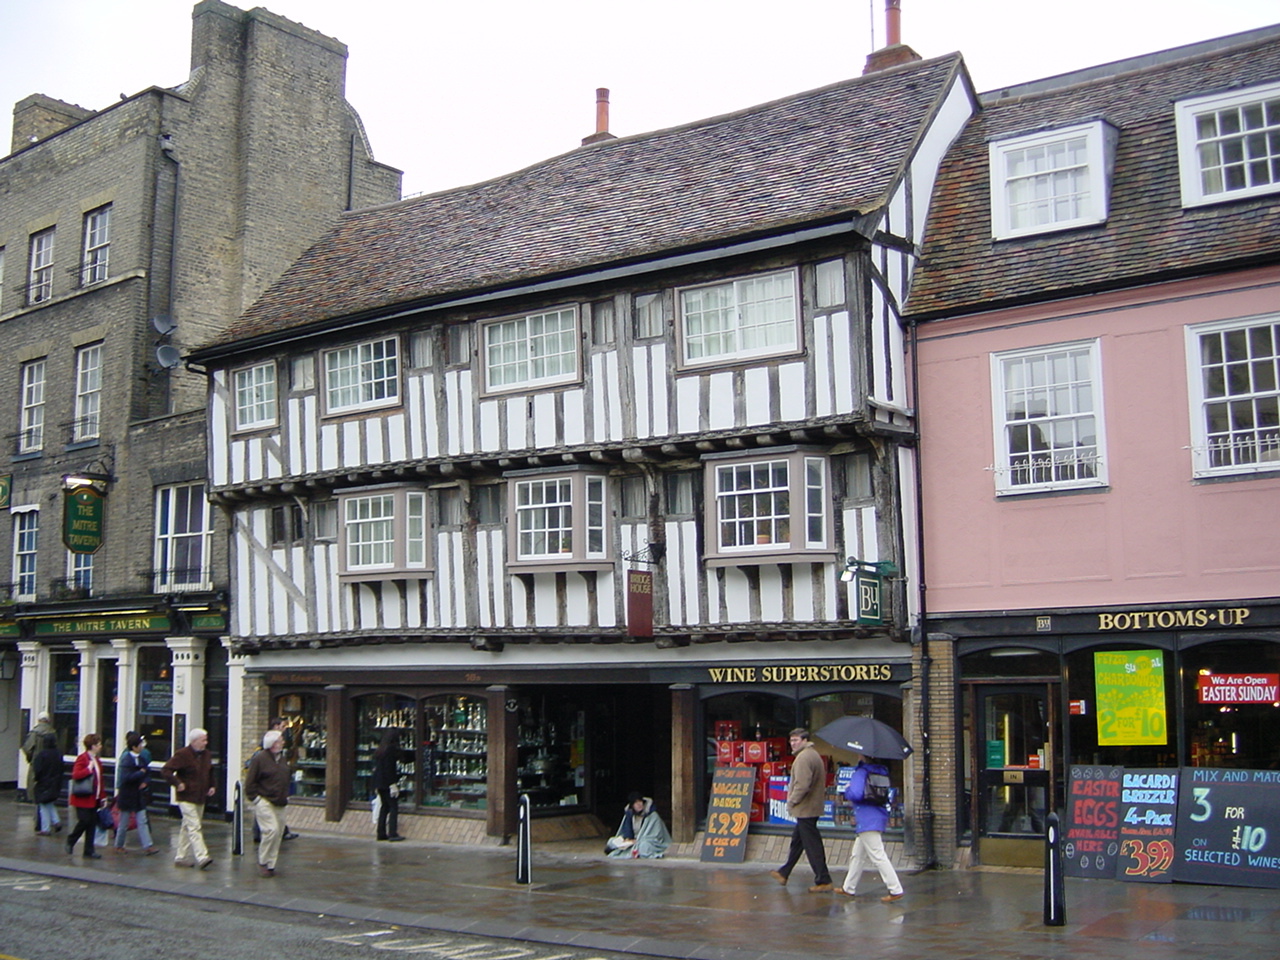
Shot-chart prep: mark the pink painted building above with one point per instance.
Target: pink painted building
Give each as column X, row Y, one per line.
column 1097, row 365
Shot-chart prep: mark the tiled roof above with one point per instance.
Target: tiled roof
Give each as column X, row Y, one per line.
column 1147, row 235
column 827, row 153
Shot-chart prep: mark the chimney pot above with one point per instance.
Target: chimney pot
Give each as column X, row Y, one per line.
column 602, row 118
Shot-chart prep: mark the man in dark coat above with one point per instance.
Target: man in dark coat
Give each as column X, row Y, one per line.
column 806, row 797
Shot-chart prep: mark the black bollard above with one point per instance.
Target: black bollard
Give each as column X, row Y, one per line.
column 524, row 852
column 1055, row 908
column 237, row 820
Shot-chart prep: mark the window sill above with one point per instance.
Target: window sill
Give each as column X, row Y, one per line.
column 379, row 576
column 83, row 444
column 559, row 566
column 1037, row 492
column 29, row 455
column 773, row 557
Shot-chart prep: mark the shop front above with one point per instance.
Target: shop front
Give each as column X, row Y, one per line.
column 576, row 740
column 1150, row 688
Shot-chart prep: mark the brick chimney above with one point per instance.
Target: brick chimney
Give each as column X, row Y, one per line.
column 894, row 52
column 37, row 117
column 602, row 118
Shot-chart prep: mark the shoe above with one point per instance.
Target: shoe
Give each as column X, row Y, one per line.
column 821, row 888
column 892, row 898
column 266, row 871
column 57, row 828
column 380, row 839
column 779, row 876
column 289, row 835
column 122, row 850
column 93, row 856
column 205, row 862
column 70, row 848
column 841, row 891
column 396, row 838
column 150, row 850
column 42, row 833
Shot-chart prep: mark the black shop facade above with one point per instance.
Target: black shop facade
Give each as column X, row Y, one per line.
column 575, row 738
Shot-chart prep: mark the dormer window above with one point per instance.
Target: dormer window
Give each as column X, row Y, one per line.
column 1229, row 145
column 1051, row 180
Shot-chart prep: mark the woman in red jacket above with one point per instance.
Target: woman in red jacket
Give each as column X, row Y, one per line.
column 86, row 807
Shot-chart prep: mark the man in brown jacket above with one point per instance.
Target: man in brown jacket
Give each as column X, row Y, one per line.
column 805, row 799
column 266, row 784
column 190, row 772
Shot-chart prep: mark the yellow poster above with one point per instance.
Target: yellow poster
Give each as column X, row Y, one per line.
column 1130, row 692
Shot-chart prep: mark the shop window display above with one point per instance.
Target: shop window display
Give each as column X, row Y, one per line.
column 552, row 753
column 455, row 752
column 374, row 714
column 64, row 701
column 1230, row 720
column 155, row 701
column 305, row 741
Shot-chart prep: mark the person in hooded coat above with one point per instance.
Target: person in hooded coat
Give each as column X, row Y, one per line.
column 641, row 834
column 868, row 848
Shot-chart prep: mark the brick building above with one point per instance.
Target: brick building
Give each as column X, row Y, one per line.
column 128, row 234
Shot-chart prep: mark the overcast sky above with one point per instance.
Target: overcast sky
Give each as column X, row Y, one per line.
column 456, row 92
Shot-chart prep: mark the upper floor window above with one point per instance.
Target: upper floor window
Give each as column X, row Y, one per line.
column 1051, row 180
column 31, row 434
column 80, row 574
column 1048, row 418
column 88, row 393
column 26, row 543
column 1234, row 379
column 184, row 527
column 97, row 245
column 1229, row 145
column 767, row 506
column 559, row 519
column 255, row 391
column 650, row 319
column 40, row 283
column 363, row 376
column 751, row 317
column 383, row 531
column 538, row 350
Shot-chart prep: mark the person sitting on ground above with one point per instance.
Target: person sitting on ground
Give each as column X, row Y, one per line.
column 642, row 834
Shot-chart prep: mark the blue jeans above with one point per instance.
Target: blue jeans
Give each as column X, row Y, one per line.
column 47, row 816
column 144, row 828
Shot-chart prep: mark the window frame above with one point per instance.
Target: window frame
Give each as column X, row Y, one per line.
column 169, row 541
column 801, row 507
column 80, row 571
column 1099, row 149
column 1198, row 401
column 40, row 266
column 26, row 552
column 95, row 255
column 361, row 366
column 88, row 396
column 238, row 391
column 591, row 521
column 31, row 411
column 409, row 506
column 1190, row 171
column 1004, row 455
column 739, row 354
column 563, row 378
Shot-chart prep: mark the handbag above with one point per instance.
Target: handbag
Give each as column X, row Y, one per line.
column 82, row 786
column 105, row 820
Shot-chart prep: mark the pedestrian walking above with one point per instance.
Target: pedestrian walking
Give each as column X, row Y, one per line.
column 89, row 798
column 133, row 793
column 386, row 781
column 267, row 787
column 190, row 772
column 30, row 747
column 277, row 723
column 871, row 816
column 805, row 799
column 47, row 768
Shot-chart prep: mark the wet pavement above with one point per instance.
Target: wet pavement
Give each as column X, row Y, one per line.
column 679, row 908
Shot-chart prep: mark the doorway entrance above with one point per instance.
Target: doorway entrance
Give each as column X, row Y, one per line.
column 1015, row 754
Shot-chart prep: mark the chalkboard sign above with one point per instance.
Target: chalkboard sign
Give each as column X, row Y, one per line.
column 155, row 698
column 1148, row 815
column 1091, row 837
column 1228, row 827
column 729, row 814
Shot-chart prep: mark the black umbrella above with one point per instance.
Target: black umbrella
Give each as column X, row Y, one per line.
column 867, row 736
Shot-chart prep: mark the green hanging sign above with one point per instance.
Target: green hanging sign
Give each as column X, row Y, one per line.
column 83, row 511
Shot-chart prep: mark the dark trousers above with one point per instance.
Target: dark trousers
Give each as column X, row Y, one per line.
column 388, row 814
column 806, row 837
column 86, row 823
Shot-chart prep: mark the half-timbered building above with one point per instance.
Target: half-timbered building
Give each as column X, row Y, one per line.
column 580, row 474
